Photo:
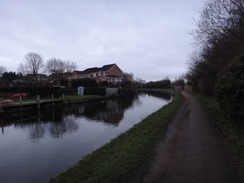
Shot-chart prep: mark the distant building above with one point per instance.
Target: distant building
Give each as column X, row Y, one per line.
column 31, row 80
column 110, row 73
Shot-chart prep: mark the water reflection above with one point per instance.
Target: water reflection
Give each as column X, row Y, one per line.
column 58, row 122
column 67, row 125
column 110, row 112
column 159, row 95
column 62, row 121
column 37, row 147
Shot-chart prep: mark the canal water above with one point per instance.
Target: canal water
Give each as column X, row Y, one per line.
column 39, row 147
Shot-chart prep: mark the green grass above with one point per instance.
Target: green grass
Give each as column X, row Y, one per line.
column 126, row 158
column 231, row 131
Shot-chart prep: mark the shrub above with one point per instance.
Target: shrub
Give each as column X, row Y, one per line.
column 230, row 89
column 33, row 91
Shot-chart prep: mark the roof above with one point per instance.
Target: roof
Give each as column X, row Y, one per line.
column 90, row 70
column 106, row 67
column 78, row 72
column 96, row 69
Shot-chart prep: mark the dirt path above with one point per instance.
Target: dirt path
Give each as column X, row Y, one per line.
column 191, row 151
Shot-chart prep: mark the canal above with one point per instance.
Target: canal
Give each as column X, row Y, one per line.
column 39, row 147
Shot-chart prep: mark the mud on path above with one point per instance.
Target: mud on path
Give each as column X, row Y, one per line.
column 191, row 151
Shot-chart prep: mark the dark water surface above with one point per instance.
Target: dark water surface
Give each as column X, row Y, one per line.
column 38, row 148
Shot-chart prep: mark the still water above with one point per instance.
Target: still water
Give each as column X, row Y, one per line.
column 38, row 148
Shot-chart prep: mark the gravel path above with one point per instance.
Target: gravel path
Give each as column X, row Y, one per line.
column 191, row 151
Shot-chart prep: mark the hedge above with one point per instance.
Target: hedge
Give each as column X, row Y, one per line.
column 230, row 89
column 33, row 91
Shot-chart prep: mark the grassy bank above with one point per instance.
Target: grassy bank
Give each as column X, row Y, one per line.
column 231, row 131
column 127, row 157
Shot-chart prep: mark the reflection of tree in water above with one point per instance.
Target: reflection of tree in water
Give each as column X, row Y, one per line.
column 37, row 130
column 110, row 111
column 54, row 123
column 157, row 94
column 58, row 123
column 67, row 125
column 136, row 101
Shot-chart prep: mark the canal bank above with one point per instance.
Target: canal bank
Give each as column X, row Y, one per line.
column 47, row 105
column 126, row 158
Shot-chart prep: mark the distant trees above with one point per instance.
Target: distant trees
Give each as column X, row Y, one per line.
column 163, row 84
column 57, row 68
column 55, row 65
column 179, row 81
column 9, row 76
column 220, row 36
column 128, row 77
column 34, row 67
column 2, row 70
column 22, row 69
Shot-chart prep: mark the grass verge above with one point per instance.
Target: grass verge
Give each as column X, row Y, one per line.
column 231, row 131
column 126, row 158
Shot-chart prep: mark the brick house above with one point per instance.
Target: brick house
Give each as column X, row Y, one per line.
column 110, row 73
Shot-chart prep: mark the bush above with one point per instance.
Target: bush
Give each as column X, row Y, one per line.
column 230, row 89
column 33, row 91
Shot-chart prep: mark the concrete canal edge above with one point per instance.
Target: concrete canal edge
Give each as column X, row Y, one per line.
column 126, row 158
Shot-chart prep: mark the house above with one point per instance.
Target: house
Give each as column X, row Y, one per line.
column 110, row 73
column 36, row 79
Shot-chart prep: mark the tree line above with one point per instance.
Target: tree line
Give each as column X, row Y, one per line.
column 34, row 65
column 219, row 36
column 216, row 68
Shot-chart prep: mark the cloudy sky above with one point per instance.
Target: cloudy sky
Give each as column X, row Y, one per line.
column 149, row 38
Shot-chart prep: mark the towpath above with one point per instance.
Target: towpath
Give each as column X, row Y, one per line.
column 191, row 152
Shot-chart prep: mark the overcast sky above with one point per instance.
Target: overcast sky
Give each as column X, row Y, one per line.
column 149, row 38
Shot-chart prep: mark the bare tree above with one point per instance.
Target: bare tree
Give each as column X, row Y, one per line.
column 218, row 18
column 70, row 66
column 128, row 77
column 34, row 62
column 57, row 68
column 55, row 65
column 2, row 70
column 22, row 69
column 139, row 82
column 220, row 34
column 31, row 66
